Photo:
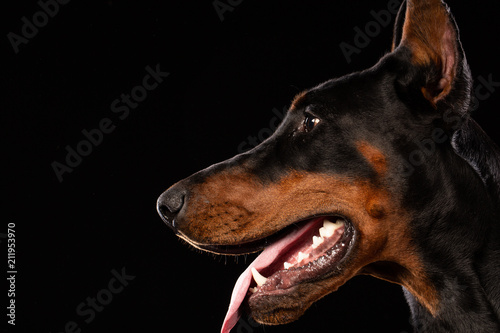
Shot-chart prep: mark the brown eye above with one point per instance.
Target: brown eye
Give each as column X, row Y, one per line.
column 309, row 123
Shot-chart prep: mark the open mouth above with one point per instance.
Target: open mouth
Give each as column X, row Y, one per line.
column 312, row 252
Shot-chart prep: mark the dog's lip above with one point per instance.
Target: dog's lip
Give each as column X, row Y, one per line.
column 273, row 254
column 237, row 249
column 255, row 245
column 321, row 266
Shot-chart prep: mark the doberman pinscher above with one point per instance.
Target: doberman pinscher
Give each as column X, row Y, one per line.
column 381, row 172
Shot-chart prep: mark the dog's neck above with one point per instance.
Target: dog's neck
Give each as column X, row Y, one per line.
column 469, row 293
column 466, row 276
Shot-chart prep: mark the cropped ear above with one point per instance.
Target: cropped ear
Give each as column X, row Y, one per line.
column 398, row 26
column 427, row 29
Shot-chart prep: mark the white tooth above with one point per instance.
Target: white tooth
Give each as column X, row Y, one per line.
column 258, row 277
column 329, row 228
column 317, row 241
column 287, row 265
column 302, row 256
column 252, row 290
column 323, row 232
column 337, row 222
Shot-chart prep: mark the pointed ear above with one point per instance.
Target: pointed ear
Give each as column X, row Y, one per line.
column 428, row 30
column 398, row 26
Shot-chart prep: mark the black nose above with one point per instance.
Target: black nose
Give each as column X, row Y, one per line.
column 169, row 204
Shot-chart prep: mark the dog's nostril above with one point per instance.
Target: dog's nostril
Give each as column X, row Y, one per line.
column 164, row 211
column 169, row 204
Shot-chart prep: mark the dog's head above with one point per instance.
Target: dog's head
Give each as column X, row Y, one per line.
column 344, row 183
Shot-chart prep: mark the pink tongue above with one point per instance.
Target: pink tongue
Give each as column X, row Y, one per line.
column 266, row 258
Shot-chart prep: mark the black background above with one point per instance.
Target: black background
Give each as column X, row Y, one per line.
column 225, row 79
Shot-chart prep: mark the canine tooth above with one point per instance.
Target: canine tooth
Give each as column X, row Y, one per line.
column 302, row 256
column 258, row 277
column 317, row 241
column 287, row 265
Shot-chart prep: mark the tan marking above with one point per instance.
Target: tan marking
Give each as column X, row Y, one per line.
column 375, row 209
column 234, row 207
column 429, row 34
column 424, row 29
column 297, row 99
column 374, row 156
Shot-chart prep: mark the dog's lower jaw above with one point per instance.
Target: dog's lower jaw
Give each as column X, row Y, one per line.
column 284, row 309
column 290, row 306
column 277, row 316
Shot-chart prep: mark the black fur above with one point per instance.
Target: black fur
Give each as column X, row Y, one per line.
column 453, row 195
